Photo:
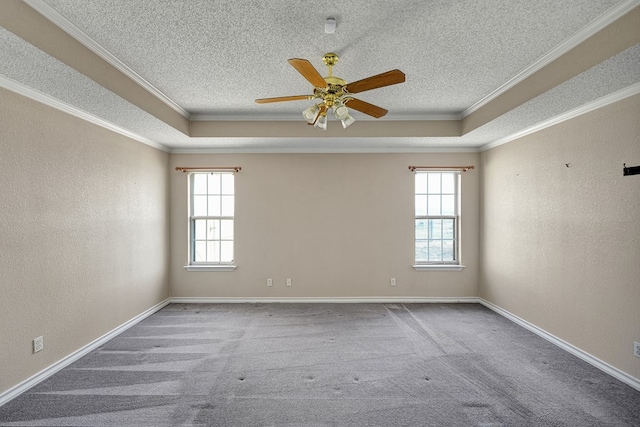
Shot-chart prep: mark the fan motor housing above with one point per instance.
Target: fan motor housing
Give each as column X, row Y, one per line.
column 335, row 89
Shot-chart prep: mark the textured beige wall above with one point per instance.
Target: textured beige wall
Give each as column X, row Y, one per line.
column 339, row 225
column 83, row 233
column 561, row 245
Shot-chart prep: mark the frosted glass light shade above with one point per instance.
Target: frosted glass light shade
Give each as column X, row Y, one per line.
column 341, row 112
column 321, row 123
column 347, row 121
column 311, row 113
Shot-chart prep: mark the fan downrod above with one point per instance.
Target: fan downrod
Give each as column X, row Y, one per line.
column 330, row 59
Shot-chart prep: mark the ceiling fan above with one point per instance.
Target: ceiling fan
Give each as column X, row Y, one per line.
column 335, row 93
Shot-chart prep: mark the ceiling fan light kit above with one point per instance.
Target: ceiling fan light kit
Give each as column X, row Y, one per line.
column 335, row 93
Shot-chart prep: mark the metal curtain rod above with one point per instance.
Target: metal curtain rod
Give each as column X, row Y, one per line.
column 441, row 168
column 209, row 168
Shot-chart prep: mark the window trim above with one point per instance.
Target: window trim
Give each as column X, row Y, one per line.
column 210, row 267
column 193, row 265
column 456, row 264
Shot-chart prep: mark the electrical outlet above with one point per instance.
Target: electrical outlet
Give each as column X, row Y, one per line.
column 38, row 344
column 288, row 282
column 269, row 282
column 393, row 281
column 636, row 349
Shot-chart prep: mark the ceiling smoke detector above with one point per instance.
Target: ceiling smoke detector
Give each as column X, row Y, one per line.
column 330, row 26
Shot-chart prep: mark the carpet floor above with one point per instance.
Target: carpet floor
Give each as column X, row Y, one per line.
column 326, row 365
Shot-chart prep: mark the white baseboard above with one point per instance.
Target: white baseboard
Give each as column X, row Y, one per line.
column 344, row 300
column 603, row 366
column 47, row 372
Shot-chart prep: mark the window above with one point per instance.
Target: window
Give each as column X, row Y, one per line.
column 436, row 219
column 211, row 219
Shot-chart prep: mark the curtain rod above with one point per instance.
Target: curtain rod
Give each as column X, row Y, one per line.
column 209, row 168
column 455, row 168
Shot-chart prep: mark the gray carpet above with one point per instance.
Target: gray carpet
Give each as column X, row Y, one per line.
column 327, row 365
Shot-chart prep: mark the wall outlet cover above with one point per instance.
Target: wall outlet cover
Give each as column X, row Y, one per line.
column 636, row 349
column 38, row 344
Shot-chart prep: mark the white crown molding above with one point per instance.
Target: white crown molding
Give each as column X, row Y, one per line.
column 320, row 150
column 634, row 89
column 598, row 24
column 54, row 16
column 592, row 360
column 205, row 117
column 50, row 101
column 25, row 385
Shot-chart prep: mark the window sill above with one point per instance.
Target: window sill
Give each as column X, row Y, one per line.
column 210, row 267
column 438, row 267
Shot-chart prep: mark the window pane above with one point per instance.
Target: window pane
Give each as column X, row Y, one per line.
column 421, row 205
column 447, row 250
column 435, row 229
column 227, row 206
column 213, row 251
column 433, row 205
column 226, row 251
column 213, row 229
column 435, row 250
column 200, row 229
column 448, row 183
column 226, row 230
column 434, row 183
column 448, row 228
column 199, row 205
column 199, row 183
column 422, row 251
column 214, row 205
column 421, row 229
column 448, row 205
column 421, row 183
column 200, row 252
column 227, row 183
column 214, row 183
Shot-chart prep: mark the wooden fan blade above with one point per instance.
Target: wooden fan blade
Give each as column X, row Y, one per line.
column 308, row 71
column 283, row 99
column 365, row 107
column 380, row 80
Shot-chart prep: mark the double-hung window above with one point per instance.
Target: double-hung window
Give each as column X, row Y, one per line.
column 437, row 219
column 211, row 220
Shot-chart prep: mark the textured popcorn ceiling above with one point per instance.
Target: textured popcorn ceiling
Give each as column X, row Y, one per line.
column 215, row 57
column 221, row 55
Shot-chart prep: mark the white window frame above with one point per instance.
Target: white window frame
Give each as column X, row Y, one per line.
column 192, row 264
column 454, row 264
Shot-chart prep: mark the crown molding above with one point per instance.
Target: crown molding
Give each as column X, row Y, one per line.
column 54, row 16
column 206, row 117
column 50, row 101
column 320, row 150
column 592, row 28
column 632, row 90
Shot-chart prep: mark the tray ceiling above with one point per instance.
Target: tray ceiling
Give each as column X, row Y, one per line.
column 190, row 70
